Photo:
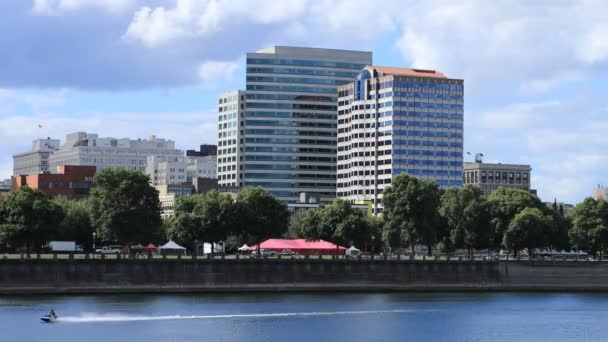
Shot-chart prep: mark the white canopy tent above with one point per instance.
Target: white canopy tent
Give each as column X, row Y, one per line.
column 353, row 251
column 172, row 248
column 244, row 248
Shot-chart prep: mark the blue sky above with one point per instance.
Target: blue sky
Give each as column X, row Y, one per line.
column 535, row 71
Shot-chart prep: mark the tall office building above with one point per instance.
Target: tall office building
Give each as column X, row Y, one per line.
column 36, row 160
column 396, row 120
column 286, row 129
column 82, row 148
column 230, row 144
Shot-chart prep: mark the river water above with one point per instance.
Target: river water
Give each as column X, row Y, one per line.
column 308, row 317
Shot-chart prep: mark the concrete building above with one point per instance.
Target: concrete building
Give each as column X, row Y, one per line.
column 601, row 193
column 82, row 148
column 36, row 160
column 284, row 126
column 393, row 121
column 5, row 187
column 489, row 176
column 204, row 151
column 71, row 181
column 231, row 143
column 203, row 167
column 167, row 193
column 166, row 169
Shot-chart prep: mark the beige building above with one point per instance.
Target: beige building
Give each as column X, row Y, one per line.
column 601, row 193
column 489, row 176
column 36, row 160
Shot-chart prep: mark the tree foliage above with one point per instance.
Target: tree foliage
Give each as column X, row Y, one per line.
column 590, row 226
column 259, row 215
column 467, row 216
column 411, row 211
column 124, row 206
column 505, row 204
column 528, row 229
column 338, row 222
column 28, row 218
column 76, row 224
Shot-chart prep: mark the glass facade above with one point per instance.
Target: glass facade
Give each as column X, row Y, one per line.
column 398, row 122
column 289, row 131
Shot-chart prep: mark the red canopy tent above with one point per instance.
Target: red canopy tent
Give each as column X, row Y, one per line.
column 150, row 247
column 301, row 246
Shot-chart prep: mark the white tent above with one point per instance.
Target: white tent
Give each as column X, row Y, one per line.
column 353, row 251
column 171, row 245
column 171, row 248
column 244, row 248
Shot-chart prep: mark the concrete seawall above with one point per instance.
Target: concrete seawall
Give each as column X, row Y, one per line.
column 116, row 276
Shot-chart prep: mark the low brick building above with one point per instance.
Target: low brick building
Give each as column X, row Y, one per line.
column 71, row 181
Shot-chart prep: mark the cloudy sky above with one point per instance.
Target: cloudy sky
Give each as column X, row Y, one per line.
column 535, row 71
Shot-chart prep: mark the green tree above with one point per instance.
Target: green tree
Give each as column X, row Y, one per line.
column 467, row 216
column 307, row 225
column 589, row 226
column 28, row 218
column 337, row 222
column 505, row 204
column 76, row 224
column 411, row 211
column 527, row 230
column 216, row 213
column 184, row 228
column 124, row 206
column 208, row 217
column 260, row 215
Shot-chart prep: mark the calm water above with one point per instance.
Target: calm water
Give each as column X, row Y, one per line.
column 307, row 317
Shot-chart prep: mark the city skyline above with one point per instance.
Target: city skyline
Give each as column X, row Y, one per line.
column 154, row 69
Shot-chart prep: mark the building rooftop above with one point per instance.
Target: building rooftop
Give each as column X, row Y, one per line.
column 408, row 72
column 471, row 165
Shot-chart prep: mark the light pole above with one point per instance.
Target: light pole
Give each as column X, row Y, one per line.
column 373, row 238
column 94, row 236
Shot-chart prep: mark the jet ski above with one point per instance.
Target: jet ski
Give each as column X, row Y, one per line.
column 51, row 317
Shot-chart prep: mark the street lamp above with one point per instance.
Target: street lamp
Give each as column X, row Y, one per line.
column 94, row 236
column 373, row 238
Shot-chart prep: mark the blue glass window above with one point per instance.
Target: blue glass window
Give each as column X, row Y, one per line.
column 360, row 84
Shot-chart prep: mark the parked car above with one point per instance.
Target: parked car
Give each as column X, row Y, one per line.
column 287, row 252
column 109, row 250
column 263, row 253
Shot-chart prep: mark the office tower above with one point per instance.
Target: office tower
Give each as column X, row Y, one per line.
column 393, row 121
column 286, row 130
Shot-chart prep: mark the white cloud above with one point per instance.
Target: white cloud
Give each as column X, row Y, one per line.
column 564, row 142
column 594, row 47
column 213, row 73
column 37, row 101
column 58, row 7
column 553, row 82
column 518, row 116
column 340, row 19
column 537, row 45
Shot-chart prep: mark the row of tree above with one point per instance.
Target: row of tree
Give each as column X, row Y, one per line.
column 416, row 212
column 123, row 207
column 251, row 217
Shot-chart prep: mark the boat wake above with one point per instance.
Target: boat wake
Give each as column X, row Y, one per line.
column 88, row 318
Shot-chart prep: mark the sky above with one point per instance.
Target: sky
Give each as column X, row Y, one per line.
column 535, row 72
